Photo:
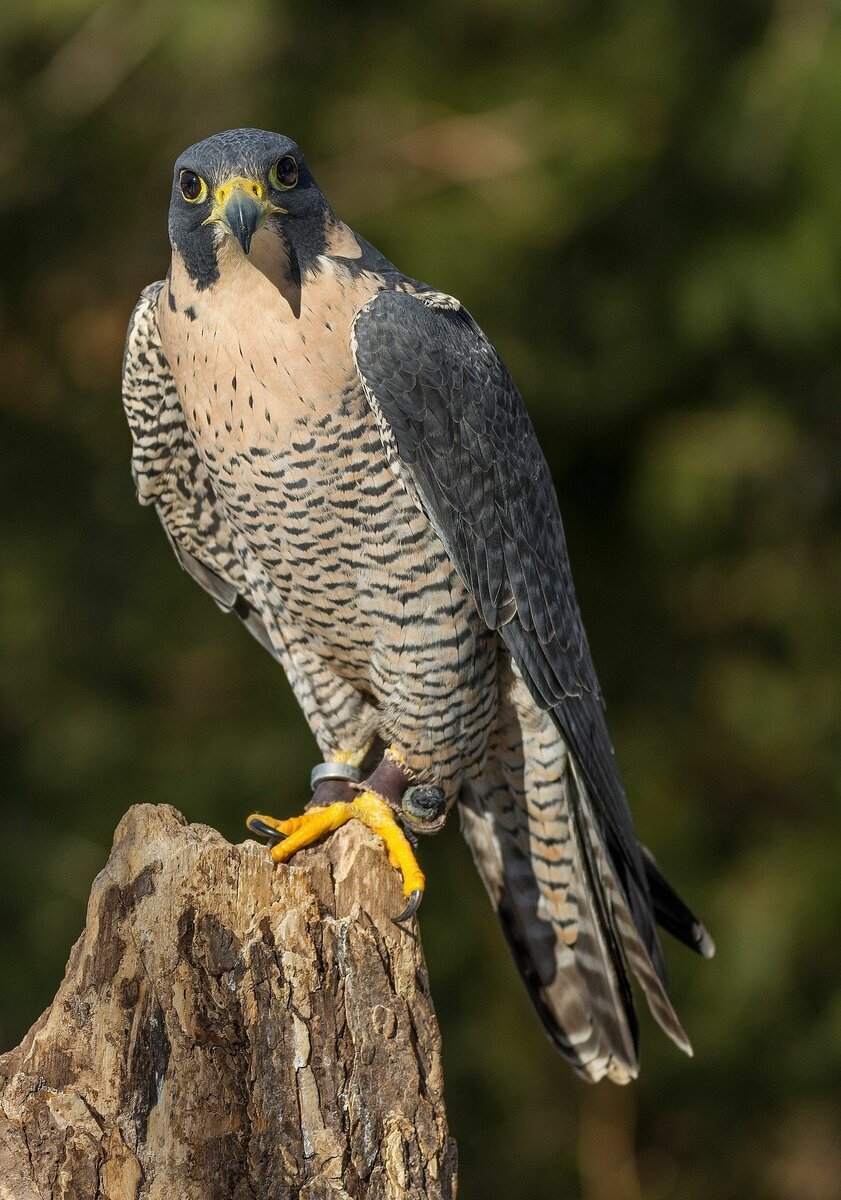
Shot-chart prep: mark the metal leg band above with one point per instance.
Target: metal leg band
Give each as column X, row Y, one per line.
column 343, row 772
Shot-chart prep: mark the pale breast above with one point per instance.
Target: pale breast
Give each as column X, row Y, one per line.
column 257, row 352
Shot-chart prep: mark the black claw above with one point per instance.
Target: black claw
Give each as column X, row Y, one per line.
column 262, row 829
column 411, row 908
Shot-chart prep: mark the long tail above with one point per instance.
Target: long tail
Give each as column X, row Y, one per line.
column 529, row 826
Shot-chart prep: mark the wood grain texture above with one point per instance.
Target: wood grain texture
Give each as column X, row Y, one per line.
column 228, row 1030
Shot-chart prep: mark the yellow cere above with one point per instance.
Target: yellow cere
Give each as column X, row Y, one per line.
column 238, row 183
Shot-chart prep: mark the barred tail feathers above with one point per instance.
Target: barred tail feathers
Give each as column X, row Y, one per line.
column 564, row 914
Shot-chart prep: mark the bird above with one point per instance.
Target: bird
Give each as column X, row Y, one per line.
column 339, row 456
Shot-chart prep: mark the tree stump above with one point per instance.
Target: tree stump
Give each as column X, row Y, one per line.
column 229, row 1030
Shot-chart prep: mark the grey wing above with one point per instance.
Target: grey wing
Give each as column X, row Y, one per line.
column 459, row 436
column 169, row 474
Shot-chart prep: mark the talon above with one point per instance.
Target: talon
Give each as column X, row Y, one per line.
column 309, row 828
column 299, row 832
column 411, row 908
column 262, row 827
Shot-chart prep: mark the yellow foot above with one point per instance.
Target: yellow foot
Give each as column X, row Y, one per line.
column 298, row 832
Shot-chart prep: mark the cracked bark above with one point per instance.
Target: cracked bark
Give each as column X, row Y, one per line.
column 227, row 1030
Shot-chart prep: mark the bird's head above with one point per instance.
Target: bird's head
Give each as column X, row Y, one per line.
column 229, row 187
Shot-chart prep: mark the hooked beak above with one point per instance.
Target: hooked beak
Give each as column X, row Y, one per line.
column 242, row 216
column 241, row 207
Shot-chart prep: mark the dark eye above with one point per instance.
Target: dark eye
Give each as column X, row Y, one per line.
column 193, row 188
column 284, row 174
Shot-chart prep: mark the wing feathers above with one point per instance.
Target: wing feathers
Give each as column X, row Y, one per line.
column 458, row 434
column 672, row 913
column 170, row 475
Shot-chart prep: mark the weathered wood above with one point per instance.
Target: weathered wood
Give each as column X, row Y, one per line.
column 228, row 1030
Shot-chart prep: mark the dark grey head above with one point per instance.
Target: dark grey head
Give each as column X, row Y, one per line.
column 236, row 182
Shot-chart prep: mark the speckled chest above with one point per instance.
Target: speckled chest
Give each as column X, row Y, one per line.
column 274, row 404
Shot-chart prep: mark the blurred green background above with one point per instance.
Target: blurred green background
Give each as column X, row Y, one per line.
column 640, row 201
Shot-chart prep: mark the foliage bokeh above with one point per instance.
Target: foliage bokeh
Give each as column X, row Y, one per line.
column 640, row 201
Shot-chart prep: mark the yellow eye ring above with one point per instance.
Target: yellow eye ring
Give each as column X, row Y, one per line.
column 193, row 187
column 284, row 173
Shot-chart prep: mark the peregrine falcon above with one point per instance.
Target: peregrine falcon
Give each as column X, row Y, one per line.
column 339, row 456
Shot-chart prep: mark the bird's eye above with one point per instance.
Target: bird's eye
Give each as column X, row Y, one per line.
column 284, row 174
column 193, row 188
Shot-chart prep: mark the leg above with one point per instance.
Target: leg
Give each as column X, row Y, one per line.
column 340, row 713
